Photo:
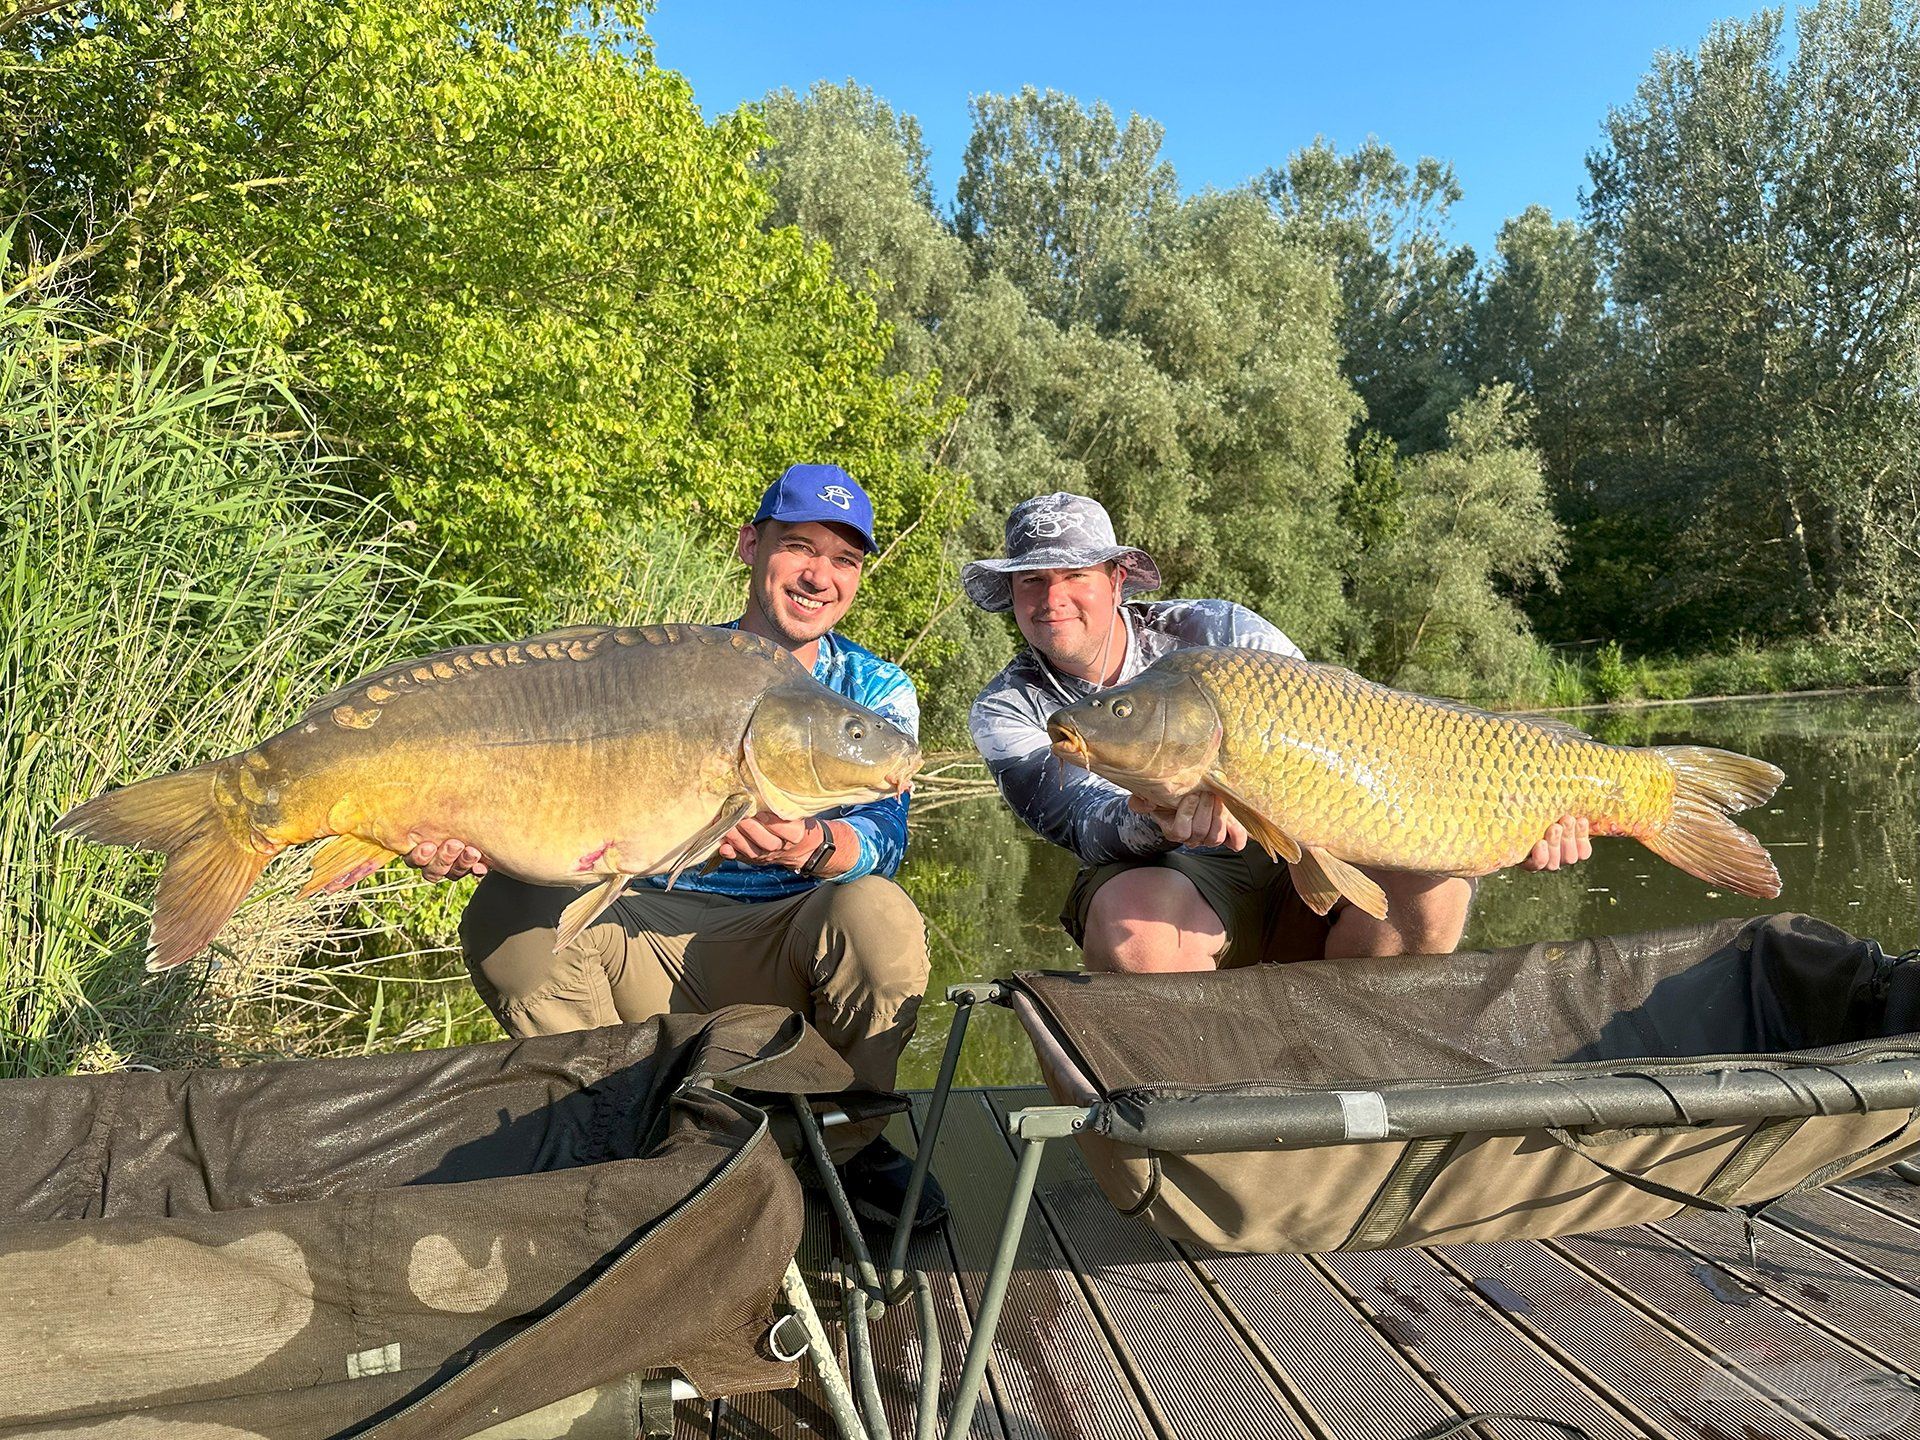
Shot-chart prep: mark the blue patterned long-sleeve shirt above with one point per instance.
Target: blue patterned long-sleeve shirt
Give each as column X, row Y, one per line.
column 1064, row 803
column 880, row 825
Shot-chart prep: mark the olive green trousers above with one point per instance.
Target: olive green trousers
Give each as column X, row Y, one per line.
column 851, row 957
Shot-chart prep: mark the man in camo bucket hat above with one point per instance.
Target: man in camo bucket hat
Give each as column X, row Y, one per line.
column 1057, row 532
column 1161, row 889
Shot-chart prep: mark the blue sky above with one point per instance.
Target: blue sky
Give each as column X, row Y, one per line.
column 1513, row 94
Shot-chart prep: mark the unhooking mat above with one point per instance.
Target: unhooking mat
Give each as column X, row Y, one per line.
column 430, row 1242
column 1270, row 1108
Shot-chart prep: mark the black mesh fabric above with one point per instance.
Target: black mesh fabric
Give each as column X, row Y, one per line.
column 1756, row 987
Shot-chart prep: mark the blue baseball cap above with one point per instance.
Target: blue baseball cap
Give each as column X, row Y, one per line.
column 819, row 492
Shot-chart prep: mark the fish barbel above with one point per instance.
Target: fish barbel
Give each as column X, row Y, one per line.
column 1328, row 771
column 583, row 758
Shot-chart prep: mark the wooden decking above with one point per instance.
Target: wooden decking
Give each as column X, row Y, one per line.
column 1112, row 1333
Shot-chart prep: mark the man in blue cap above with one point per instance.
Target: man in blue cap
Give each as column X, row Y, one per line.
column 802, row 913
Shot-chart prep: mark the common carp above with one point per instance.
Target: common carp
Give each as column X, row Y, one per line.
column 1328, row 771
column 584, row 757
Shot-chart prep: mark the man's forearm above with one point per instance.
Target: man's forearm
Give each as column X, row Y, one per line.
column 846, row 849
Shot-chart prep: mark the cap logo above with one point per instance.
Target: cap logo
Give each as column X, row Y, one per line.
column 1052, row 524
column 838, row 495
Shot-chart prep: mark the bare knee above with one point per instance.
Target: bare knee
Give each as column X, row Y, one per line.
column 1149, row 920
column 1426, row 915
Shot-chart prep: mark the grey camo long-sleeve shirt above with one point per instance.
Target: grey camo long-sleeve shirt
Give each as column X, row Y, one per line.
column 1064, row 803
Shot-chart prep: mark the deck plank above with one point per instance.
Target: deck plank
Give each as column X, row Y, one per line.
column 1827, row 1290
column 1775, row 1350
column 1188, row 1355
column 1859, row 1225
column 1343, row 1375
column 1466, row 1345
column 1639, row 1362
column 1054, row 1375
column 1887, row 1190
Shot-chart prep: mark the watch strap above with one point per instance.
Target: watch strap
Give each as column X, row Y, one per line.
column 817, row 861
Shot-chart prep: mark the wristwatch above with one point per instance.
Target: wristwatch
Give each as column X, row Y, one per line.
column 817, row 861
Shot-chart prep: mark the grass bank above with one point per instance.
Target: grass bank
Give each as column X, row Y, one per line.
column 1605, row 675
column 186, row 570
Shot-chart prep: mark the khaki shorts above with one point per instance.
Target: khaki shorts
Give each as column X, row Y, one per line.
column 1252, row 893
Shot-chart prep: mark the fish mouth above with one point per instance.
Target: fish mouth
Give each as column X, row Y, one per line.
column 900, row 777
column 1069, row 745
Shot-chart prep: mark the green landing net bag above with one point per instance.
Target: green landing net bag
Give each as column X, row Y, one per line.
column 418, row 1245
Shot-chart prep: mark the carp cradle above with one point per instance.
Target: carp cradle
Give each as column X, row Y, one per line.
column 1540, row 1090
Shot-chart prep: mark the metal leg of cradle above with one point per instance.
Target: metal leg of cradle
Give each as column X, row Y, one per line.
column 1033, row 1128
column 869, row 1276
column 866, row 1298
column 866, row 1382
column 846, row 1415
column 927, row 1413
column 963, row 998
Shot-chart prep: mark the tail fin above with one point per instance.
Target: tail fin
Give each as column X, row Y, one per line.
column 1698, row 836
column 209, row 869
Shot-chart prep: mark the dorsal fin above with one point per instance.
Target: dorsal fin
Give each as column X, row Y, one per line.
column 359, row 701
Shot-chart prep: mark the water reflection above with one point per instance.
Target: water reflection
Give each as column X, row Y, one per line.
column 1842, row 831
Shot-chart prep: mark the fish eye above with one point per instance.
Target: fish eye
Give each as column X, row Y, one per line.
column 856, row 731
column 1122, row 709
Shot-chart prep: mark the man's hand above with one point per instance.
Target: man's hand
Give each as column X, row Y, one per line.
column 449, row 860
column 1201, row 819
column 766, row 839
column 1565, row 843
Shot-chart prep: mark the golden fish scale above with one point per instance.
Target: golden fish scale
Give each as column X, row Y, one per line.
column 1381, row 777
column 435, row 748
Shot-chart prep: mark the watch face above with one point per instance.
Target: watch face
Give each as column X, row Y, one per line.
column 822, row 854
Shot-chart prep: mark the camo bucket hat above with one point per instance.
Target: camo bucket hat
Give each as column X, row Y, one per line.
column 1060, row 531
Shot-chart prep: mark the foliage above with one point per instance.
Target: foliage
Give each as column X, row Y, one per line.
column 1473, row 523
column 1611, row 678
column 183, row 576
column 1404, row 289
column 386, row 198
column 1055, row 195
column 1757, row 220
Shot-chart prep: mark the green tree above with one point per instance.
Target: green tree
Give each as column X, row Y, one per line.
column 1473, row 523
column 1053, row 194
column 503, row 257
column 1404, row 289
column 849, row 170
column 1758, row 220
column 1540, row 323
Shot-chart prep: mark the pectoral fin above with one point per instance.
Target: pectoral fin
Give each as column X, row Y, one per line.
column 1322, row 879
column 1265, row 833
column 342, row 861
column 585, row 910
column 737, row 808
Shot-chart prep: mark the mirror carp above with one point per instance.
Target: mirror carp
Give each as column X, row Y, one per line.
column 584, row 757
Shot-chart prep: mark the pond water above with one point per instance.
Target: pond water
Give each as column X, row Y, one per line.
column 1842, row 831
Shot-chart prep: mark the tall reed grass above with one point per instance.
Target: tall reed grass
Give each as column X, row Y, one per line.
column 185, row 572
column 181, row 578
